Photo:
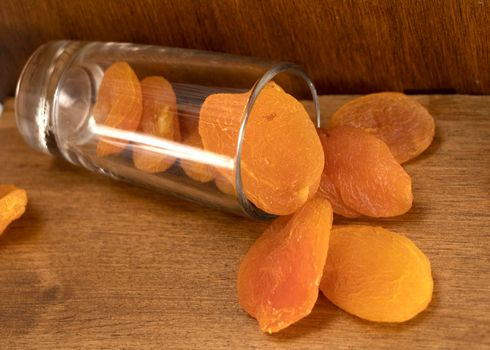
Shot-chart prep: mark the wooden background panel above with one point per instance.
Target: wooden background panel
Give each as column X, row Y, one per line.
column 346, row 46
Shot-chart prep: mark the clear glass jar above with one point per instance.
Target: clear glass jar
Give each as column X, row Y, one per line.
column 60, row 93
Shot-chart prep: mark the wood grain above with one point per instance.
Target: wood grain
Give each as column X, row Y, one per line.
column 96, row 263
column 347, row 46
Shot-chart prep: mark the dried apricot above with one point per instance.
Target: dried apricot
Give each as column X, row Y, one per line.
column 367, row 178
column 279, row 276
column 196, row 170
column 328, row 190
column 376, row 274
column 159, row 119
column 188, row 119
column 282, row 157
column 401, row 122
column 224, row 185
column 118, row 105
column 13, row 201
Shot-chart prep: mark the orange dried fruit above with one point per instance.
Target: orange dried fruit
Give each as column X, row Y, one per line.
column 376, row 274
column 159, row 119
column 366, row 177
column 401, row 122
column 188, row 118
column 328, row 190
column 282, row 157
column 13, row 201
column 196, row 170
column 279, row 276
column 224, row 185
column 118, row 105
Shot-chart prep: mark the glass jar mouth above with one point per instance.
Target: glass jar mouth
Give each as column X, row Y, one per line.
column 248, row 207
column 48, row 78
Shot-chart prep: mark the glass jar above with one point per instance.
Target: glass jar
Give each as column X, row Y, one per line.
column 61, row 93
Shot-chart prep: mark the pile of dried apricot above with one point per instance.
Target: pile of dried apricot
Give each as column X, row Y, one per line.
column 290, row 168
column 376, row 274
column 370, row 272
column 361, row 176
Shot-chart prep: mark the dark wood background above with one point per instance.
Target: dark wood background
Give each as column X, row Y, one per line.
column 346, row 46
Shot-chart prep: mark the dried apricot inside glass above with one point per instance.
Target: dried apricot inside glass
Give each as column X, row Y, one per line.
column 279, row 276
column 224, row 185
column 282, row 157
column 198, row 171
column 401, row 122
column 118, row 105
column 376, row 274
column 362, row 176
column 13, row 201
column 159, row 119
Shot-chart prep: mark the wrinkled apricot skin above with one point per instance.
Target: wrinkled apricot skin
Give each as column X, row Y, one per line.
column 196, row 170
column 401, row 122
column 366, row 177
column 328, row 190
column 118, row 105
column 282, row 157
column 376, row 274
column 159, row 119
column 279, row 276
column 13, row 201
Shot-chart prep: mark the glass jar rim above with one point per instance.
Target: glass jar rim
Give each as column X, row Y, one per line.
column 249, row 208
column 39, row 133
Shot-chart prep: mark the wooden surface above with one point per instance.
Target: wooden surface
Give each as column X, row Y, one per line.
column 96, row 263
column 347, row 46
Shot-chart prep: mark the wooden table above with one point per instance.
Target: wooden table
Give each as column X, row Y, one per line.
column 96, row 263
column 345, row 46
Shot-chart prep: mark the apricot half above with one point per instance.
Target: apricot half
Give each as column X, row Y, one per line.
column 196, row 170
column 279, row 276
column 362, row 175
column 282, row 157
column 118, row 105
column 376, row 274
column 401, row 122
